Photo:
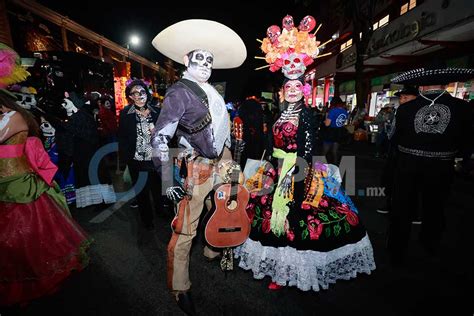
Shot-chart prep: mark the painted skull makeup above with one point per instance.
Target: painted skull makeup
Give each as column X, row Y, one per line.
column 200, row 65
column 25, row 100
column 293, row 66
column 138, row 95
column 47, row 129
column 108, row 104
column 293, row 91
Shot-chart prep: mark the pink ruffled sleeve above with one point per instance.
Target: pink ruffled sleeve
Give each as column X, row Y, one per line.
column 39, row 159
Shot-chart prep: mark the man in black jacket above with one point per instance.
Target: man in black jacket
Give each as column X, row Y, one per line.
column 429, row 132
column 134, row 136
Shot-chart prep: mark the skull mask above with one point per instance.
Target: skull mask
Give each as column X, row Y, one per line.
column 47, row 129
column 25, row 100
column 293, row 66
column 288, row 22
column 200, row 65
column 273, row 32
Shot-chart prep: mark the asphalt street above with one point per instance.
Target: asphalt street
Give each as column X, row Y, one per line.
column 127, row 275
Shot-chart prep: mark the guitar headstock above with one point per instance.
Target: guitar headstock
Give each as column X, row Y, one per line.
column 238, row 128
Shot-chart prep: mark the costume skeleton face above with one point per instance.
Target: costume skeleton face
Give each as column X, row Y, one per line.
column 293, row 91
column 138, row 95
column 69, row 107
column 47, row 129
column 25, row 100
column 293, row 66
column 108, row 104
column 199, row 65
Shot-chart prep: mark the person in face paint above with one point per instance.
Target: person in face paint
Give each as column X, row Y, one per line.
column 134, row 136
column 303, row 222
column 193, row 113
column 203, row 133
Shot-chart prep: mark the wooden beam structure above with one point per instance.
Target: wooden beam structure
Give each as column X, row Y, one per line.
column 69, row 25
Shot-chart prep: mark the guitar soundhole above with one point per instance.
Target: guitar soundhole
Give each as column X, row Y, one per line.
column 232, row 205
column 229, row 229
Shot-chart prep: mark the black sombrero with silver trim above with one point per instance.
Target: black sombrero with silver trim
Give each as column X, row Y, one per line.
column 436, row 73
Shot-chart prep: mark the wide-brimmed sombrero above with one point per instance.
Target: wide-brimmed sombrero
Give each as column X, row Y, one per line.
column 437, row 73
column 183, row 37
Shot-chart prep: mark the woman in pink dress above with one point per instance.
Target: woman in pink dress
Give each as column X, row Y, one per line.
column 40, row 244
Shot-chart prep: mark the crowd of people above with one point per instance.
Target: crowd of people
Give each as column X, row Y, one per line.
column 305, row 230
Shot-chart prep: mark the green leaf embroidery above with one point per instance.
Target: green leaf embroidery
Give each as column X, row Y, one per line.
column 324, row 217
column 304, row 234
column 327, row 231
column 257, row 210
column 347, row 227
column 254, row 223
column 301, row 223
column 333, row 214
column 337, row 229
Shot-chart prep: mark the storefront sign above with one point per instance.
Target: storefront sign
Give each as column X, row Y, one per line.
column 405, row 31
column 347, row 87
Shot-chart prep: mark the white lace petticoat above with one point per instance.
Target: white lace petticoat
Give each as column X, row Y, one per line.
column 306, row 269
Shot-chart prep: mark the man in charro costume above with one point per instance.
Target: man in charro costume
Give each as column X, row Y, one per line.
column 430, row 131
column 195, row 112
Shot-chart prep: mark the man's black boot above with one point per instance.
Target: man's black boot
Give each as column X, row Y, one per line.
column 186, row 303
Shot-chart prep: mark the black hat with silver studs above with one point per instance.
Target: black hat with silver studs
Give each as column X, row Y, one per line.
column 437, row 73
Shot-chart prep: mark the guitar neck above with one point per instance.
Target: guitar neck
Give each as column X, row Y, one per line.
column 236, row 172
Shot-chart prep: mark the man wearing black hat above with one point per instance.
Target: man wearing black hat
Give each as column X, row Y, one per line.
column 429, row 132
column 407, row 94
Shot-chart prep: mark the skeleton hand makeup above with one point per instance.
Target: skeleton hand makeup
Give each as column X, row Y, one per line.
column 69, row 107
column 199, row 65
column 175, row 194
column 293, row 91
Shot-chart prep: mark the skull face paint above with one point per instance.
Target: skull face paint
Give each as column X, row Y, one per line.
column 108, row 104
column 293, row 91
column 47, row 129
column 25, row 100
column 138, row 95
column 293, row 66
column 200, row 65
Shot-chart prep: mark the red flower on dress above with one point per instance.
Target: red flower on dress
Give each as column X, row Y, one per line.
column 323, row 202
column 290, row 235
column 351, row 217
column 289, row 129
column 315, row 227
column 266, row 221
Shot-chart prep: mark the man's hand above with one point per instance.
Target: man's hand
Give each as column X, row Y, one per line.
column 175, row 193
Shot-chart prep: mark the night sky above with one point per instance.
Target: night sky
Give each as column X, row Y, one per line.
column 148, row 18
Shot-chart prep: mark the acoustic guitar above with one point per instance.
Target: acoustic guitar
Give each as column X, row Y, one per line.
column 229, row 225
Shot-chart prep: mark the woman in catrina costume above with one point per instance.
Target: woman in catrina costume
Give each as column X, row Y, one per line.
column 40, row 244
column 306, row 231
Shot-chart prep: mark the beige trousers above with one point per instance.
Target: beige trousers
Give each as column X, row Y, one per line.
column 201, row 177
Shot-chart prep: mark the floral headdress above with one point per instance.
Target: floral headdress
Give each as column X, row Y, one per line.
column 11, row 71
column 291, row 49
